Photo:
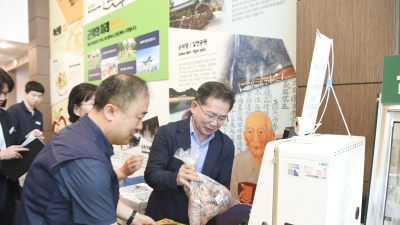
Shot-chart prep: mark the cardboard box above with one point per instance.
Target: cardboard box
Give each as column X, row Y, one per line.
column 168, row 221
column 136, row 196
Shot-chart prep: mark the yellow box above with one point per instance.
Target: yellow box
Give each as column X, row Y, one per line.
column 168, row 221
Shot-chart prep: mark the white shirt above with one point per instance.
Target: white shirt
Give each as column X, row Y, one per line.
column 2, row 140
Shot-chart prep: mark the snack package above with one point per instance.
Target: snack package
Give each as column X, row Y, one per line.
column 207, row 197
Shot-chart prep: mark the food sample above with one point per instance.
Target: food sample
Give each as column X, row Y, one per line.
column 207, row 198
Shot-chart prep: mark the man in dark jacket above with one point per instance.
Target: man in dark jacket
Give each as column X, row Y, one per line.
column 9, row 149
column 167, row 175
column 72, row 180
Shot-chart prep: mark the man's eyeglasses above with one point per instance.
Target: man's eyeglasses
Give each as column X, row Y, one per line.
column 213, row 117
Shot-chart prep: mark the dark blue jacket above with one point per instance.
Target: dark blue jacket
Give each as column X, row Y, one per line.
column 23, row 120
column 167, row 199
column 11, row 138
column 41, row 194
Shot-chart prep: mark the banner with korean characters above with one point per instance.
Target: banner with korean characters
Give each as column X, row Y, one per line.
column 133, row 39
column 262, row 18
column 95, row 9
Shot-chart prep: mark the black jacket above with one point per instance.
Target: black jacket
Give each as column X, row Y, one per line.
column 167, row 199
column 11, row 138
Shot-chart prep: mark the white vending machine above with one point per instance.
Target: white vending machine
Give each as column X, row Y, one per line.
column 314, row 183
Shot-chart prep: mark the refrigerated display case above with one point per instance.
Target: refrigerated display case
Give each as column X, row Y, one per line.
column 384, row 189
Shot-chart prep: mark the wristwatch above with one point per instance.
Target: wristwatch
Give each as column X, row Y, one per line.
column 131, row 218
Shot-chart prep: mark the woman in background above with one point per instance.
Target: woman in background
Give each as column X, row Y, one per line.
column 80, row 102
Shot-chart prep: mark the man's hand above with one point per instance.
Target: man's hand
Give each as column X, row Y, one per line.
column 12, row 152
column 131, row 165
column 186, row 172
column 246, row 194
column 36, row 133
column 142, row 220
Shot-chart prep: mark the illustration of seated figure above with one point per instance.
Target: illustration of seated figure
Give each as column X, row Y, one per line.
column 257, row 133
column 147, row 133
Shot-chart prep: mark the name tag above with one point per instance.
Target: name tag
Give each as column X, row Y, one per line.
column 38, row 123
column 11, row 130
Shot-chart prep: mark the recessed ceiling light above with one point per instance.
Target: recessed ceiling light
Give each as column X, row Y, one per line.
column 4, row 45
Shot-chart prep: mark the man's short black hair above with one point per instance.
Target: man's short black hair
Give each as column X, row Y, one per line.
column 34, row 86
column 6, row 79
column 216, row 90
column 80, row 93
column 121, row 90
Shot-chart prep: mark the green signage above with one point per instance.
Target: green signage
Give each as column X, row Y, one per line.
column 391, row 79
column 131, row 40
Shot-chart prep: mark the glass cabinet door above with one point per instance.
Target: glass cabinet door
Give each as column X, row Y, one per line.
column 383, row 205
column 392, row 204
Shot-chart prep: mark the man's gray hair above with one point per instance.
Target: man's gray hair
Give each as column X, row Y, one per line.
column 121, row 90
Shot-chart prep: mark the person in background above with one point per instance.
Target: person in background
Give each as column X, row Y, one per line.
column 80, row 102
column 72, row 180
column 10, row 148
column 167, row 175
column 24, row 115
column 4, row 105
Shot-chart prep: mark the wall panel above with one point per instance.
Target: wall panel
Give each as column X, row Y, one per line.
column 362, row 32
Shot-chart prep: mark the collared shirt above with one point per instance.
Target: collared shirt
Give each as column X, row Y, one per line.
column 79, row 176
column 2, row 140
column 23, row 120
column 203, row 148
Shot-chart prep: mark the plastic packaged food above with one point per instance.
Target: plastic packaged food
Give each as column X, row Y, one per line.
column 207, row 197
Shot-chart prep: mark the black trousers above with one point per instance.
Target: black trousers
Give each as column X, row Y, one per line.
column 8, row 212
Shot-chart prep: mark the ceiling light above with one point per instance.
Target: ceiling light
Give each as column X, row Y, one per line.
column 4, row 45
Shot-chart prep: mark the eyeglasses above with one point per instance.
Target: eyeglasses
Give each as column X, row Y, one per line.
column 92, row 104
column 220, row 119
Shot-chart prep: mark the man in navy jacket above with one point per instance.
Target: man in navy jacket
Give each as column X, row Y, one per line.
column 9, row 149
column 167, row 175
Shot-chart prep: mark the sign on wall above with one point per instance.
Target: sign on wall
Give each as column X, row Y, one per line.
column 391, row 79
column 132, row 39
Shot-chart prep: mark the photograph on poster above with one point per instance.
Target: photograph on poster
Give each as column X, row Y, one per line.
column 109, row 67
column 194, row 14
column 148, row 59
column 94, row 59
column 240, row 61
column 150, row 128
column 127, row 50
column 140, row 143
column 217, row 15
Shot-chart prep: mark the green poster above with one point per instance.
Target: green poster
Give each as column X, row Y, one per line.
column 132, row 40
column 391, row 79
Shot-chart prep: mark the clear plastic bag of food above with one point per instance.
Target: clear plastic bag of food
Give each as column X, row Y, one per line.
column 207, row 197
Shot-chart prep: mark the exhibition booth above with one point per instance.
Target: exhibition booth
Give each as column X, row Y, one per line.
column 316, row 120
